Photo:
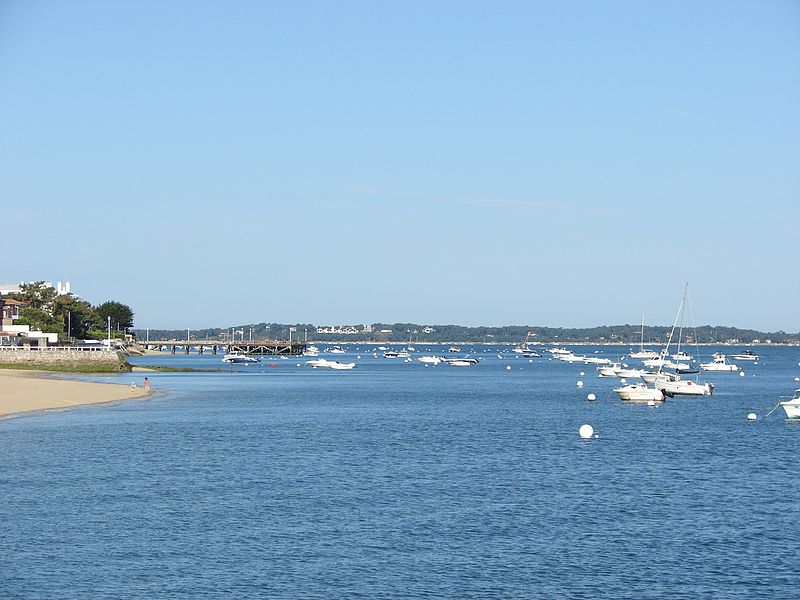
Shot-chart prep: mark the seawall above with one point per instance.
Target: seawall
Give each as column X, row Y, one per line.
column 63, row 359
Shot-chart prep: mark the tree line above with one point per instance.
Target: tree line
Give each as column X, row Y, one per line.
column 415, row 333
column 44, row 309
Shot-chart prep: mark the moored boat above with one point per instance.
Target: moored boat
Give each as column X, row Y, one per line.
column 686, row 388
column 792, row 407
column 745, row 355
column 720, row 363
column 639, row 392
column 238, row 358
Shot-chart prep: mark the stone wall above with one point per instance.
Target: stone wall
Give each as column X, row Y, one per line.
column 63, row 359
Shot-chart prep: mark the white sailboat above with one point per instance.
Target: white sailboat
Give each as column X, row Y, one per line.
column 642, row 353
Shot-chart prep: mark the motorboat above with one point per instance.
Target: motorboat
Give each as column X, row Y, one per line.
column 239, row 358
column 608, row 370
column 792, row 407
column 682, row 356
column 644, row 354
column 311, row 350
column 403, row 354
column 685, row 388
column 559, row 351
column 391, row 354
column 336, row 350
column 318, row 363
column 596, row 360
column 530, row 354
column 461, row 362
column 628, row 372
column 745, row 355
column 431, row 360
column 454, row 349
column 720, row 363
column 640, row 392
column 339, row 366
column 656, row 377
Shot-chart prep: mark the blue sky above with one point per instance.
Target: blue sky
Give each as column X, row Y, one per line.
column 545, row 163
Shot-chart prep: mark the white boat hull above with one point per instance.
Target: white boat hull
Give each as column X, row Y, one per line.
column 719, row 367
column 792, row 408
column 639, row 393
column 686, row 388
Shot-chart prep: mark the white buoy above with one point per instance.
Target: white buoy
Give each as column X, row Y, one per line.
column 530, row 360
column 298, row 364
column 752, row 417
column 741, row 373
column 623, row 380
column 508, row 368
column 581, row 373
column 358, row 357
column 591, row 397
column 586, row 431
column 579, row 384
column 651, row 403
column 797, row 378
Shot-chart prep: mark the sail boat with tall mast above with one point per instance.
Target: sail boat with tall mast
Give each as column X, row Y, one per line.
column 642, row 353
column 680, row 386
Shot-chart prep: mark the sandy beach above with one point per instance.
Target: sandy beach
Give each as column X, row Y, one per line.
column 27, row 391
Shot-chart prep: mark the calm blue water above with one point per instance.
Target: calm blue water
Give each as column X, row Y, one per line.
column 397, row 480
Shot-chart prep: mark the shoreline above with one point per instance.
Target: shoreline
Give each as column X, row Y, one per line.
column 26, row 391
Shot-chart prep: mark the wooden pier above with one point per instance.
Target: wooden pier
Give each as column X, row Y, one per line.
column 258, row 347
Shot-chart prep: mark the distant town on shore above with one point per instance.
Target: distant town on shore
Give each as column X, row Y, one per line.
column 416, row 333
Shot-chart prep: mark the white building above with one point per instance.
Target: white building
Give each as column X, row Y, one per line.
column 14, row 288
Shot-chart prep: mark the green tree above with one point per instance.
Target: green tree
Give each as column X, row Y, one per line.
column 121, row 314
column 38, row 302
column 77, row 316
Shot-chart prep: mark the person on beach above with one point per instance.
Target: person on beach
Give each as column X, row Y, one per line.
column 147, row 384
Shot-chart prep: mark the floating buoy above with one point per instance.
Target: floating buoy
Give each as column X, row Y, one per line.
column 358, row 357
column 623, row 380
column 591, row 397
column 579, row 384
column 508, row 368
column 741, row 373
column 298, row 364
column 586, row 431
column 797, row 378
column 651, row 403
column 752, row 417
column 581, row 373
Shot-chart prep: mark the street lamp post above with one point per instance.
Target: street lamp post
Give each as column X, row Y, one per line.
column 109, row 331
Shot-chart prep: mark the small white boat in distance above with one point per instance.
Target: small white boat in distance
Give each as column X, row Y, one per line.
column 654, row 377
column 311, row 350
column 238, row 358
column 338, row 366
column 644, row 354
column 461, row 362
column 628, row 372
column 639, row 392
column 454, row 349
column 745, row 355
column 336, row 350
column 719, row 363
column 431, row 360
column 792, row 407
column 608, row 370
column 682, row 356
column 317, row 363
